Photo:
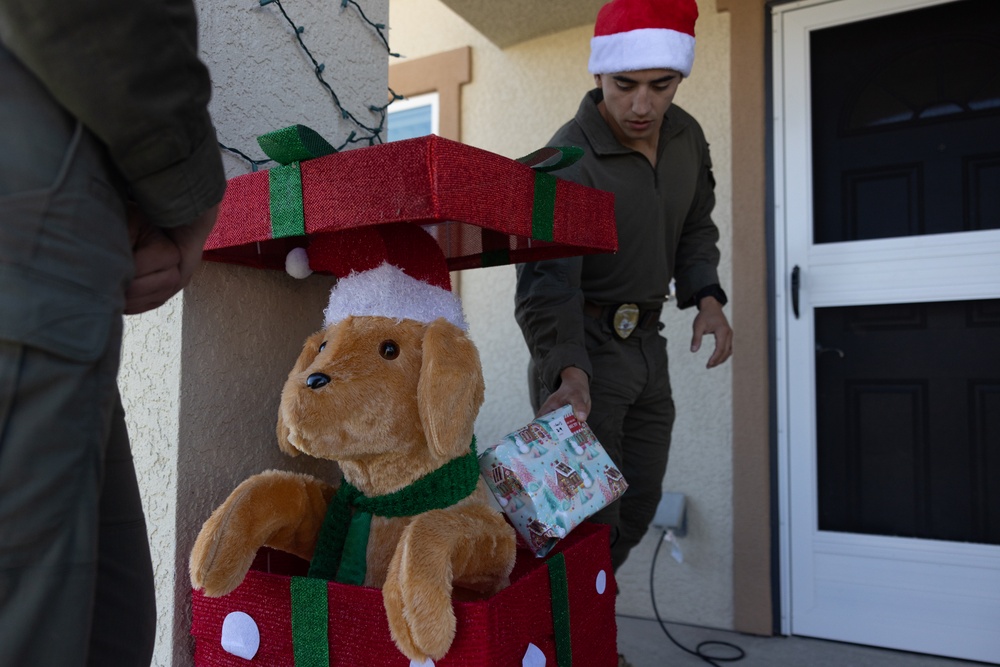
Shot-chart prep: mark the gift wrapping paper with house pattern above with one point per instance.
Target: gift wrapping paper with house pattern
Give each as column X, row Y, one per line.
column 550, row 476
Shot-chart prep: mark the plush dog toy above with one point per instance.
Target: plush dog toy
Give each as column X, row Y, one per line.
column 389, row 389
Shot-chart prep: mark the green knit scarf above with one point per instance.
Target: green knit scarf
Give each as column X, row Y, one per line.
column 343, row 540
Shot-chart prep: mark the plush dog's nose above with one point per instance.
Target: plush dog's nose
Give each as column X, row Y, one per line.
column 317, row 380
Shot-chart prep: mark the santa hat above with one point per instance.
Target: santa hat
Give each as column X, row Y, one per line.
column 644, row 34
column 387, row 291
column 394, row 270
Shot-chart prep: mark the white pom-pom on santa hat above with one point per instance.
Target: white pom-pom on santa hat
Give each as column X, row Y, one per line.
column 386, row 291
column 297, row 263
column 632, row 35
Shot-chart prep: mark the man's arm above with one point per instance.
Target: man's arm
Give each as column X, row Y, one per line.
column 697, row 269
column 129, row 71
column 548, row 306
column 697, row 259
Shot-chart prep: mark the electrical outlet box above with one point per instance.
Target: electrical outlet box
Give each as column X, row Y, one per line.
column 671, row 513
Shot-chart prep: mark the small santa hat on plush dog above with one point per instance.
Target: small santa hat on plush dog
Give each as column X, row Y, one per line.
column 394, row 270
column 631, row 35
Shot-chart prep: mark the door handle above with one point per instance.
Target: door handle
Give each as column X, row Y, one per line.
column 796, row 283
column 820, row 349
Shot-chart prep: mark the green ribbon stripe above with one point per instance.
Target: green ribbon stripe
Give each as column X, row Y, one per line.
column 285, row 190
column 560, row 610
column 310, row 621
column 288, row 147
column 544, row 207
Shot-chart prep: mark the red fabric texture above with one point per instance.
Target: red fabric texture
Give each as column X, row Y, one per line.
column 471, row 201
column 406, row 246
column 626, row 15
column 491, row 633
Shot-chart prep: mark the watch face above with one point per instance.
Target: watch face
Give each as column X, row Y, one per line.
column 626, row 319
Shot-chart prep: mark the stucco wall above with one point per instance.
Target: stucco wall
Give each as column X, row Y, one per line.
column 517, row 98
column 201, row 376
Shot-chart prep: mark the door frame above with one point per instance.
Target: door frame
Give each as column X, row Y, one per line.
column 932, row 253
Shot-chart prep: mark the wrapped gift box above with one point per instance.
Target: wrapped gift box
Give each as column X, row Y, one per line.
column 550, row 476
column 556, row 611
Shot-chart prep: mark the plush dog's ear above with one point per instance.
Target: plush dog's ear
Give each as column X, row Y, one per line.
column 309, row 351
column 450, row 389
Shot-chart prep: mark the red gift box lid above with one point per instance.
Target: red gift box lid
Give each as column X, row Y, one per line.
column 482, row 208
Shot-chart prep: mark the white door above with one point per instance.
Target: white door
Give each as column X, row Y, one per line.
column 887, row 264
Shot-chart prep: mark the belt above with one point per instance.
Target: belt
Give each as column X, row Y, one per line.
column 623, row 318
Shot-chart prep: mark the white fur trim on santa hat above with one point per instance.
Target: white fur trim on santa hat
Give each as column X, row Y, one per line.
column 386, row 291
column 645, row 48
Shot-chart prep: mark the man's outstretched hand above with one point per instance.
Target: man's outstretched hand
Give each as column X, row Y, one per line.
column 711, row 320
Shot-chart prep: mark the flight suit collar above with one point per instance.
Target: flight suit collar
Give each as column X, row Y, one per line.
column 603, row 141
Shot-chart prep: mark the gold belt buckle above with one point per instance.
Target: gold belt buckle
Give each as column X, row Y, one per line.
column 626, row 319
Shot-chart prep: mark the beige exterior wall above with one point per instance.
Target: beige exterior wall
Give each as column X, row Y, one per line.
column 516, row 99
column 201, row 376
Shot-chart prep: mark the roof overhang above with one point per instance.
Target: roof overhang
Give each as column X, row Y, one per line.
column 510, row 22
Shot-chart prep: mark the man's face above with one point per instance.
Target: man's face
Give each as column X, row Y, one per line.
column 634, row 102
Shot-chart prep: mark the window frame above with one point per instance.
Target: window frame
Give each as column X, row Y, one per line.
column 443, row 73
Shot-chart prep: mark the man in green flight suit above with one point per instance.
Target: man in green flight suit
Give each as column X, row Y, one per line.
column 592, row 323
column 110, row 179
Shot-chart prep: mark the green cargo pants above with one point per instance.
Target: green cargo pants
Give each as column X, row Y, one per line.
column 76, row 583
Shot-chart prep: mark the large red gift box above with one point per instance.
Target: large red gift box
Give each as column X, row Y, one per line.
column 563, row 606
column 482, row 208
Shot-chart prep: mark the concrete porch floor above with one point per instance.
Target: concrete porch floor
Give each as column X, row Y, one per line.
column 645, row 645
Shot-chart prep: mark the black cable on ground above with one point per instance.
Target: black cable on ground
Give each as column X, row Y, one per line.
column 699, row 649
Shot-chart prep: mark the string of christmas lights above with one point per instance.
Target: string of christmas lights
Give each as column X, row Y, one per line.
column 379, row 27
column 374, row 134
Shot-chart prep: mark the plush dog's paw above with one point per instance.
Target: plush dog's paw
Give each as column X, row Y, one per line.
column 217, row 568
column 216, row 583
column 421, row 618
column 278, row 509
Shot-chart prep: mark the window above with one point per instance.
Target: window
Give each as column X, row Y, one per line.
column 413, row 117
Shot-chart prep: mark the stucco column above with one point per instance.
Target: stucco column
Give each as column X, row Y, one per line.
column 201, row 376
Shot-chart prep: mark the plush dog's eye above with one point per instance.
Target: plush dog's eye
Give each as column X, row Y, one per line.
column 388, row 349
column 322, row 345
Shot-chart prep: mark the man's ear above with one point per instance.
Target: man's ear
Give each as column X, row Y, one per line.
column 309, row 351
column 597, row 80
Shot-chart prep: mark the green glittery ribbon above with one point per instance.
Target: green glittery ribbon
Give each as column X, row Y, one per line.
column 559, row 588
column 288, row 147
column 294, row 144
column 543, row 207
column 310, row 621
